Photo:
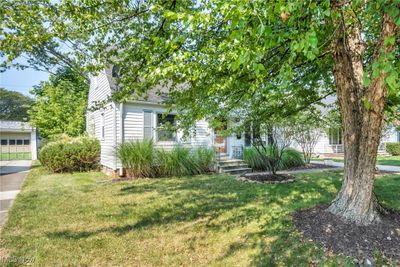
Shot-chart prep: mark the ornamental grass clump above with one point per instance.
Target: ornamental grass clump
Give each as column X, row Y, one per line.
column 205, row 158
column 143, row 159
column 290, row 158
column 177, row 162
column 137, row 157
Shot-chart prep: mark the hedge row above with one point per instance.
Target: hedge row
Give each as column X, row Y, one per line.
column 393, row 149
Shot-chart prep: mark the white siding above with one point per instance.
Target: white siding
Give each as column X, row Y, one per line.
column 133, row 120
column 100, row 91
column 390, row 135
column 202, row 135
column 133, row 123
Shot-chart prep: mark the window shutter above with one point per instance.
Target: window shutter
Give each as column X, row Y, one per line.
column 148, row 127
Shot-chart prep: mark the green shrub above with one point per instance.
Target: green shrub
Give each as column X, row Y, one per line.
column 205, row 158
column 290, row 158
column 142, row 159
column 71, row 154
column 393, row 149
column 137, row 157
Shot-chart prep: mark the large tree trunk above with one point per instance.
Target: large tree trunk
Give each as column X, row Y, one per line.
column 362, row 110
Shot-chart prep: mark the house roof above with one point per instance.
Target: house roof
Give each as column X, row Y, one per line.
column 158, row 94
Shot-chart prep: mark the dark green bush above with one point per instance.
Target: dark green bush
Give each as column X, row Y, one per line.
column 71, row 154
column 290, row 158
column 142, row 159
column 393, row 149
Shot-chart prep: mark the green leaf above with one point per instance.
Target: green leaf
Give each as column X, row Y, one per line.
column 390, row 40
column 367, row 104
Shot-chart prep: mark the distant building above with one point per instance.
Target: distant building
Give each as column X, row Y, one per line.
column 18, row 140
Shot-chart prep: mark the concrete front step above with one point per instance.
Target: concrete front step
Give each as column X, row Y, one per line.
column 238, row 171
column 231, row 163
column 233, row 166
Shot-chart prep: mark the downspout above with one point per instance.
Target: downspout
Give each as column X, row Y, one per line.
column 121, row 125
column 115, row 135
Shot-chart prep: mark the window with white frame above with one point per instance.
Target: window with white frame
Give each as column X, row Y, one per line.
column 164, row 131
column 335, row 136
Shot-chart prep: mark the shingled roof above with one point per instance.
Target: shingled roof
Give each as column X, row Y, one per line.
column 158, row 94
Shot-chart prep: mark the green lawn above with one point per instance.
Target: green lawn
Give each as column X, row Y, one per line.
column 13, row 156
column 381, row 160
column 389, row 160
column 72, row 219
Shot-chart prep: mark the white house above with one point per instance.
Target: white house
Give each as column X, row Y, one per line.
column 18, row 140
column 116, row 123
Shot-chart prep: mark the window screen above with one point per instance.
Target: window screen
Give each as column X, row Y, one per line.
column 163, row 122
column 27, row 142
column 19, row 142
column 4, row 142
column 148, row 129
column 335, row 136
column 12, row 142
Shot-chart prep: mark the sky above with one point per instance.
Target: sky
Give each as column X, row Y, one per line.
column 22, row 80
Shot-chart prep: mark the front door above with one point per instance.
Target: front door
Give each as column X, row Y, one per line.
column 219, row 138
column 220, row 143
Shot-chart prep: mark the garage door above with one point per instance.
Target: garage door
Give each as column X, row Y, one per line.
column 15, row 146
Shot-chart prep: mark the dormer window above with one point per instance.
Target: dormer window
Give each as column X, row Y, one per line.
column 115, row 71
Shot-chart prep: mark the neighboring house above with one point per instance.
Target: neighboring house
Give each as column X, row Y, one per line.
column 18, row 140
column 331, row 141
column 116, row 123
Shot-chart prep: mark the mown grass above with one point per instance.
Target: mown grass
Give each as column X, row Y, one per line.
column 389, row 160
column 72, row 219
column 381, row 160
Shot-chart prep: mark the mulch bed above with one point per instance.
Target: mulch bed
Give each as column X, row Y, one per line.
column 268, row 178
column 359, row 242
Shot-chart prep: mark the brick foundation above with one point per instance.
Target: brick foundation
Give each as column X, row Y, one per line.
column 112, row 173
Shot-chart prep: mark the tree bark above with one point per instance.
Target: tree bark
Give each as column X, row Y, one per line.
column 362, row 109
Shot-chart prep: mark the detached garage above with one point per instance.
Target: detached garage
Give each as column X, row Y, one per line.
column 17, row 141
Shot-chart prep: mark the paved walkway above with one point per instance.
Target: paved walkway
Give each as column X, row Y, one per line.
column 380, row 167
column 12, row 174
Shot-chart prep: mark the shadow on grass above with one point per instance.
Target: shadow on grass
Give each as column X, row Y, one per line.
column 222, row 204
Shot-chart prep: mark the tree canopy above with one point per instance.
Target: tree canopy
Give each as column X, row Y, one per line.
column 269, row 59
column 275, row 55
column 14, row 105
column 60, row 105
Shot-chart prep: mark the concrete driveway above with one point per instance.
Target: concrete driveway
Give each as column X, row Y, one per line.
column 12, row 174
